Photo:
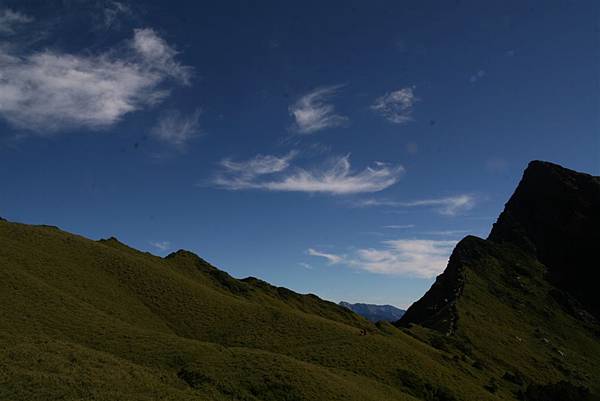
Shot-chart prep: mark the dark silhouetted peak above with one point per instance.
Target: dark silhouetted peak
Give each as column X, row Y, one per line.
column 375, row 313
column 2, row 219
column 555, row 215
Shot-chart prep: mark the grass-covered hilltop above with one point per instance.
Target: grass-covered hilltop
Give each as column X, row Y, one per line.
column 514, row 316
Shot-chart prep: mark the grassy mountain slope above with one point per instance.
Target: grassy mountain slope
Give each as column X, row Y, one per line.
column 86, row 319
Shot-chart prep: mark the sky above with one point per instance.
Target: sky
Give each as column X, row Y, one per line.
column 338, row 148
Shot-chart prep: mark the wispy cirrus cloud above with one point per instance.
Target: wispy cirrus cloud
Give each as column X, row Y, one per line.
column 47, row 90
column 411, row 257
column 248, row 174
column 399, row 226
column 161, row 245
column 10, row 19
column 176, row 128
column 313, row 112
column 274, row 173
column 423, row 258
column 330, row 257
column 396, row 106
column 450, row 206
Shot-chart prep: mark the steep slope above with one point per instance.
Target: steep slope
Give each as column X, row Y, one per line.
column 98, row 320
column 375, row 313
column 505, row 301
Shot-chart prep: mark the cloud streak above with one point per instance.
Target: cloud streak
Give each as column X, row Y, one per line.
column 47, row 91
column 161, row 245
column 331, row 258
column 274, row 173
column 449, row 206
column 396, row 106
column 399, row 226
column 312, row 112
column 422, row 258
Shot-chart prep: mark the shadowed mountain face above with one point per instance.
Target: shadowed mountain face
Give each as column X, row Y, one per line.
column 375, row 313
column 555, row 215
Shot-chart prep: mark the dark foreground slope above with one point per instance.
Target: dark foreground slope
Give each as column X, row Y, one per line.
column 521, row 303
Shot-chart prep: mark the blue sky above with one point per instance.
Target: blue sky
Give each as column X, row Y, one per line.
column 340, row 149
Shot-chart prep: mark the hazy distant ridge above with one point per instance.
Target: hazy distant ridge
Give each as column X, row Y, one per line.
column 375, row 313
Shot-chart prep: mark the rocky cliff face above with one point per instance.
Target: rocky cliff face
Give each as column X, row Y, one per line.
column 555, row 214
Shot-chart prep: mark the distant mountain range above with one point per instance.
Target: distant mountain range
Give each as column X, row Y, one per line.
column 375, row 313
column 513, row 317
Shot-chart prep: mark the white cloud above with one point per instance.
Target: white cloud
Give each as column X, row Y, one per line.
column 313, row 113
column 176, row 128
column 399, row 226
column 159, row 56
column 161, row 245
column 449, row 206
column 396, row 106
column 47, row 91
column 331, row 258
column 247, row 174
column 9, row 19
column 477, row 76
column 274, row 174
column 421, row 258
column 260, row 164
column 409, row 257
column 305, row 265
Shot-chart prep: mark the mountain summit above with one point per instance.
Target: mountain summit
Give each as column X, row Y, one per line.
column 554, row 215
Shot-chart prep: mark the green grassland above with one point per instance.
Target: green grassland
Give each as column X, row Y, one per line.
column 97, row 320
